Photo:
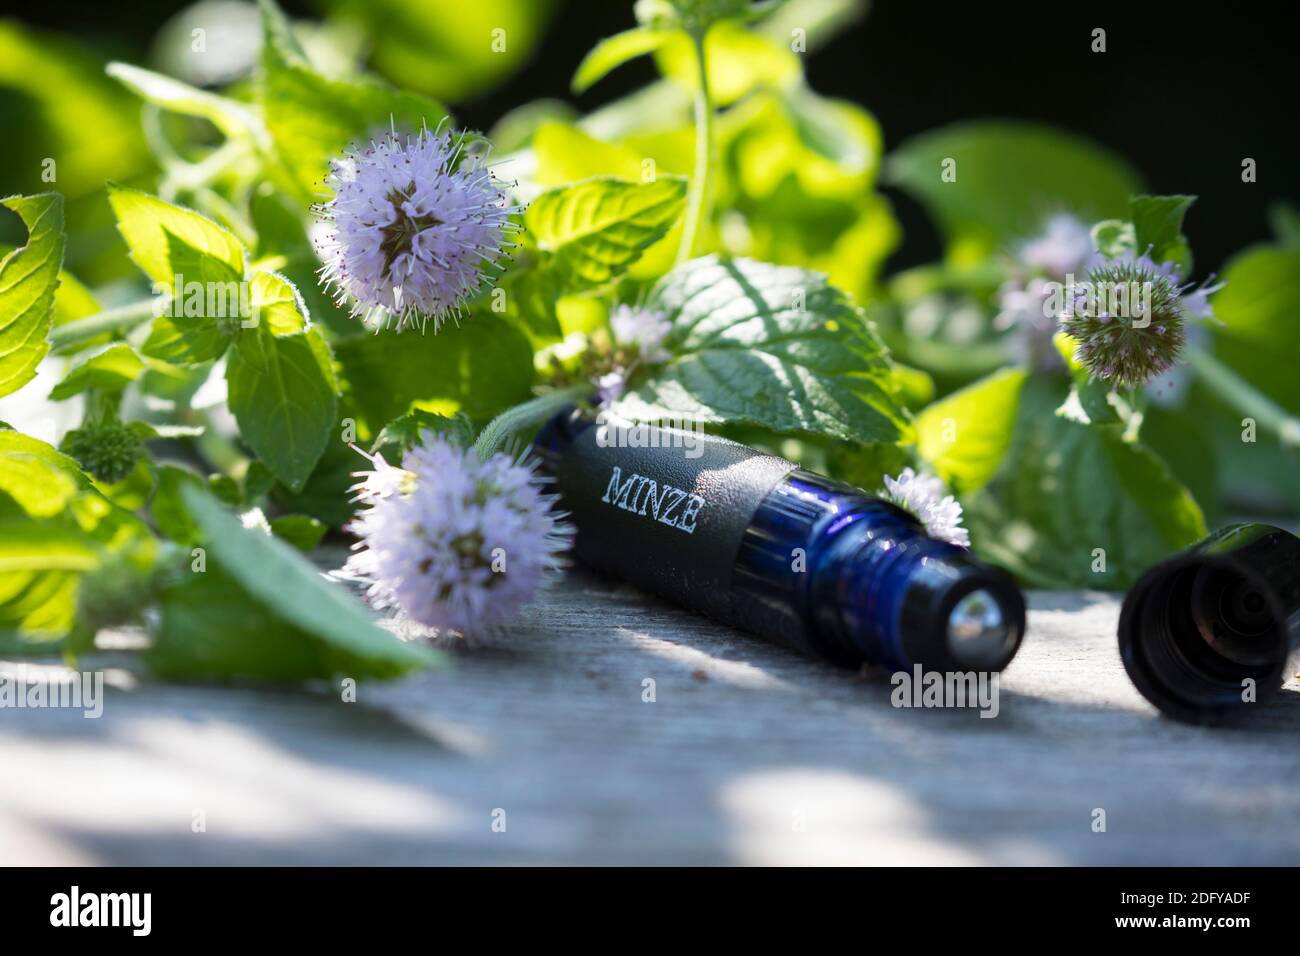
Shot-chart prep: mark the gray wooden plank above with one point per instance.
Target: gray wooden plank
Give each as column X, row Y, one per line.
column 748, row 754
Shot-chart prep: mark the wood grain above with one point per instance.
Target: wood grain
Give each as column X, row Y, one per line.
column 748, row 754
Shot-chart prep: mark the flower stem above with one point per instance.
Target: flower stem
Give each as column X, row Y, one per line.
column 1244, row 397
column 532, row 412
column 121, row 319
column 697, row 207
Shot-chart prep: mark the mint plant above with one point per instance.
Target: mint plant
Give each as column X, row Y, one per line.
column 321, row 277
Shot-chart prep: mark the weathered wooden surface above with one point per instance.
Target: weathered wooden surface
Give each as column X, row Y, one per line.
column 748, row 754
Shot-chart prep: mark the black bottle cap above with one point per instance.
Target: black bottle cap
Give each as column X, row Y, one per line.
column 1209, row 631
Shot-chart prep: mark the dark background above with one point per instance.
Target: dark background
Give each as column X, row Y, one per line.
column 1184, row 91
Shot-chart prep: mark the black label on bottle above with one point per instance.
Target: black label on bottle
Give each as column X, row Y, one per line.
column 665, row 509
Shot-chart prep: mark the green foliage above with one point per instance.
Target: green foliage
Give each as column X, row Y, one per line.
column 447, row 48
column 1066, row 490
column 1158, row 227
column 964, row 436
column 283, row 393
column 592, row 231
column 481, row 368
column 781, row 333
column 109, row 371
column 614, row 51
column 313, row 118
column 775, row 347
column 28, row 279
column 259, row 609
column 1006, row 175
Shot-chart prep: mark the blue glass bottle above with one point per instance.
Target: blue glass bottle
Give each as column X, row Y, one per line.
column 754, row 541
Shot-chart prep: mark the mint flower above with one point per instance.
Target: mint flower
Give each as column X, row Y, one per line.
column 923, row 496
column 642, row 329
column 1131, row 350
column 454, row 543
column 414, row 229
column 1040, row 265
column 639, row 336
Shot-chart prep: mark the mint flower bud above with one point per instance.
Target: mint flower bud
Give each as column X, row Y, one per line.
column 1130, row 346
column 414, row 229
column 454, row 543
column 108, row 450
column 923, row 496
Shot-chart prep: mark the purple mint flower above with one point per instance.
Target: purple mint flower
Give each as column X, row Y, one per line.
column 454, row 543
column 642, row 329
column 923, row 496
column 413, row 229
column 1063, row 247
column 1040, row 265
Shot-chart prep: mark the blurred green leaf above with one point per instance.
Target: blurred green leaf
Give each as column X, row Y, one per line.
column 168, row 509
column 965, row 436
column 614, row 51
column 68, row 112
column 739, row 62
column 764, row 345
column 481, row 368
column 302, row 531
column 233, row 118
column 565, row 154
column 29, row 277
column 41, row 563
column 38, row 479
column 1008, row 175
column 110, row 370
column 446, row 48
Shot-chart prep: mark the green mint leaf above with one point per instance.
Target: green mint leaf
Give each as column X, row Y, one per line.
column 207, row 299
column 39, row 480
column 482, row 368
column 29, row 277
column 989, row 182
column 155, row 230
column 168, row 510
column 260, row 609
column 1158, row 227
column 232, row 118
column 302, row 531
column 326, row 494
column 767, row 345
column 109, row 371
column 313, row 118
column 592, row 231
column 1114, row 238
column 965, row 435
column 41, row 563
column 284, row 395
column 1066, row 490
column 614, row 51
column 401, row 433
